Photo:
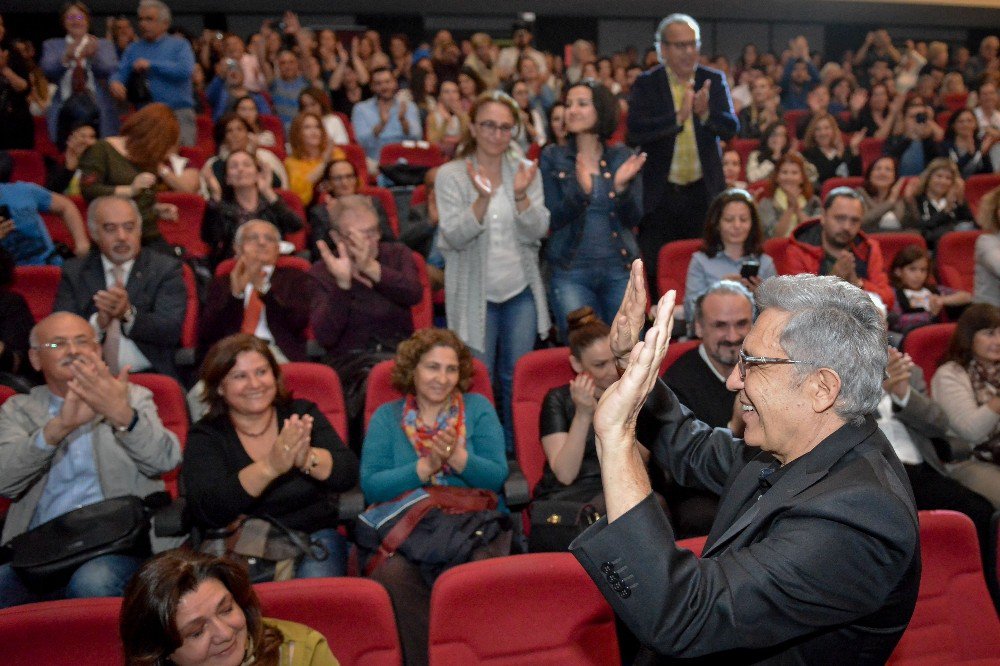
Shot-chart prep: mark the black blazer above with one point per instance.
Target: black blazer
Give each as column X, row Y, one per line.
column 822, row 569
column 155, row 287
column 652, row 126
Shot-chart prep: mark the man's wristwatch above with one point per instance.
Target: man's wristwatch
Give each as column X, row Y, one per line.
column 131, row 424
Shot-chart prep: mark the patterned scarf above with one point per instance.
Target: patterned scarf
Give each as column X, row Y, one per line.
column 420, row 435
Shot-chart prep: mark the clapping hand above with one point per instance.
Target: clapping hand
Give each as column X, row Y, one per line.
column 102, row 392
column 699, row 104
column 628, row 170
column 340, row 265
column 898, row 372
column 479, row 180
column 526, row 172
column 582, row 390
column 631, row 316
column 292, row 442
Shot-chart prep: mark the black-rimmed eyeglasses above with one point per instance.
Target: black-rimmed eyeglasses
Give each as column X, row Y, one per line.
column 754, row 361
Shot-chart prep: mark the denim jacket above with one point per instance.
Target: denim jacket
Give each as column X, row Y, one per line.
column 567, row 204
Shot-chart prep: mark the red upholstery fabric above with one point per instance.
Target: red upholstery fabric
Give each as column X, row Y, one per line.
column 426, row 155
column 892, row 243
column 81, row 205
column 356, row 156
column 955, row 101
column 926, row 345
column 672, row 266
column 380, row 389
column 28, row 167
column 5, row 392
column 320, row 384
column 775, row 248
column 172, row 409
column 831, row 183
column 292, row 200
column 388, row 202
column 419, row 195
column 38, row 285
column 870, row 149
column 63, row 633
column 956, row 265
column 43, row 142
column 535, row 374
column 196, row 156
column 346, row 119
column 675, row 351
column 225, row 266
column 205, row 133
column 540, row 608
column 186, row 229
column 694, row 544
column 791, row 119
column 977, row 186
column 354, row 614
column 954, row 621
column 423, row 312
column 744, row 147
column 277, row 128
column 57, row 229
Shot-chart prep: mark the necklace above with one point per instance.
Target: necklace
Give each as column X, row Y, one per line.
column 270, row 417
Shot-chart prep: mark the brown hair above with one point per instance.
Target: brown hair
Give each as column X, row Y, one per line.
column 468, row 144
column 148, row 622
column 988, row 205
column 410, row 351
column 221, row 358
column 809, row 141
column 320, row 98
column 905, row 257
column 937, row 164
column 712, row 240
column 976, row 317
column 794, row 158
column 585, row 328
column 150, row 134
column 295, row 135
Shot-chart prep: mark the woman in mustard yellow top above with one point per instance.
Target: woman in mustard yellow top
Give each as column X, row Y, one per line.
column 311, row 150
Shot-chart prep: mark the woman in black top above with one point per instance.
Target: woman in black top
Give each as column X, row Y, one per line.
column 17, row 129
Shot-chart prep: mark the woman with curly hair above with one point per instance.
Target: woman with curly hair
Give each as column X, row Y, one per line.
column 791, row 199
column 184, row 608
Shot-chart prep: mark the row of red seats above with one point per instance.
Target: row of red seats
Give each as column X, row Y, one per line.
column 539, row 608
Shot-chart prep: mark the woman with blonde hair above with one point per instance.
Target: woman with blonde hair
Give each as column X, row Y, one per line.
column 138, row 163
column 824, row 148
column 938, row 204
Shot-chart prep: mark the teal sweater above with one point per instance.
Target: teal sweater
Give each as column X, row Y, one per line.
column 389, row 461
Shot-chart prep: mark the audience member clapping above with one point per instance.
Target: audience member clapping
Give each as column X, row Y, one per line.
column 884, row 196
column 963, row 146
column 823, row 147
column 774, row 144
column 311, row 149
column 791, row 200
column 938, row 203
column 317, row 102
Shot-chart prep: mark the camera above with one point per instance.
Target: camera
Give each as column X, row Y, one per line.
column 749, row 268
column 231, row 64
column 921, row 118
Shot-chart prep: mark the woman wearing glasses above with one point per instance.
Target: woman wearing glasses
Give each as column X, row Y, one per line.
column 493, row 218
column 590, row 194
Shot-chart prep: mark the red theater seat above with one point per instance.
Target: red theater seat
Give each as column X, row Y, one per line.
column 38, row 285
column 977, row 186
column 541, row 609
column 186, row 229
column 274, row 125
column 892, row 243
column 926, row 345
column 320, row 384
column 831, row 183
column 171, row 407
column 62, row 633
column 29, row 167
column 225, row 266
column 956, row 265
column 871, row 149
column 672, row 266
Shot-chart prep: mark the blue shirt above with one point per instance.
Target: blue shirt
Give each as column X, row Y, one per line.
column 365, row 117
column 73, row 481
column 704, row 271
column 220, row 99
column 171, row 65
column 29, row 243
column 285, row 96
column 911, row 162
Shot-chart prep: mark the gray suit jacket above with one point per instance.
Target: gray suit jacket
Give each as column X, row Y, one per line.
column 924, row 420
column 823, row 568
column 155, row 287
column 128, row 463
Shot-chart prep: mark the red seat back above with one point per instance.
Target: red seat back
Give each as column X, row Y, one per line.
column 535, row 374
column 831, row 183
column 926, row 345
column 388, row 202
column 354, row 614
column 423, row 312
column 43, row 142
column 775, row 248
column 57, row 230
column 954, row 620
column 63, row 633
column 892, row 243
column 792, row 118
column 675, row 351
column 977, row 186
column 292, row 200
column 942, row 118
column 500, row 610
column 672, row 266
column 38, row 285
column 380, row 389
column 29, row 167
column 205, row 136
column 870, row 149
column 956, row 265
column 320, row 384
column 196, row 155
column 955, row 101
column 356, row 156
column 186, row 229
column 419, row 195
column 171, row 407
column 744, row 147
column 274, row 125
column 348, row 125
column 225, row 266
column 416, row 153
column 189, row 329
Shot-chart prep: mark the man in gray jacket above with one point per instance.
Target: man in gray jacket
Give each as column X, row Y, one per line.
column 83, row 437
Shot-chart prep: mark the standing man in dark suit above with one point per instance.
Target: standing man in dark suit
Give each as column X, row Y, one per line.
column 258, row 297
column 678, row 113
column 135, row 299
column 814, row 555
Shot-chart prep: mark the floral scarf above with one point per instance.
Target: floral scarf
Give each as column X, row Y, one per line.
column 420, row 435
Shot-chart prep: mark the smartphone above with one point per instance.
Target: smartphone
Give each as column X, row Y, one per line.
column 749, row 268
column 4, row 212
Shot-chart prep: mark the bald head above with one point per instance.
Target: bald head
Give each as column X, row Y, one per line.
column 56, row 342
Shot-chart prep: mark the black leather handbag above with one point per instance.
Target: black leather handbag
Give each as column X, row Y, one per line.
column 45, row 557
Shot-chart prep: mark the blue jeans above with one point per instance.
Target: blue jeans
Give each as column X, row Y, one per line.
column 335, row 563
column 511, row 328
column 601, row 285
column 104, row 576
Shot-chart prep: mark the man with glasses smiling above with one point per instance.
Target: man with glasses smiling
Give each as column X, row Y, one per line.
column 83, row 437
column 814, row 554
column 678, row 114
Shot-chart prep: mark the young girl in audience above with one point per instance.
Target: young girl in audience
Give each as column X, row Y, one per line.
column 246, row 108
column 774, row 144
column 919, row 301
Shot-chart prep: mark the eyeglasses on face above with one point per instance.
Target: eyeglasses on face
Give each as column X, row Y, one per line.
column 691, row 45
column 62, row 343
column 493, row 128
column 746, row 362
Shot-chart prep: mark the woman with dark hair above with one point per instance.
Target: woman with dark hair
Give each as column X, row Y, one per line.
column 316, row 101
column 790, row 199
column 437, row 435
column 774, row 144
column 17, row 129
column 733, row 240
column 883, row 196
column 339, row 180
column 879, row 114
column 260, row 452
column 402, row 58
column 963, row 146
column 188, row 609
column 446, row 123
column 423, row 89
column 594, row 202
column 232, row 133
column 470, row 84
column 967, row 386
column 557, row 125
column 139, row 163
column 80, row 64
column 246, row 108
column 246, row 193
column 348, row 86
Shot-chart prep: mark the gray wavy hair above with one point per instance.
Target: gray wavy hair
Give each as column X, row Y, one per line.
column 833, row 325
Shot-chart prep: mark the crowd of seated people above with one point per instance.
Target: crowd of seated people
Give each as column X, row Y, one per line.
column 533, row 152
